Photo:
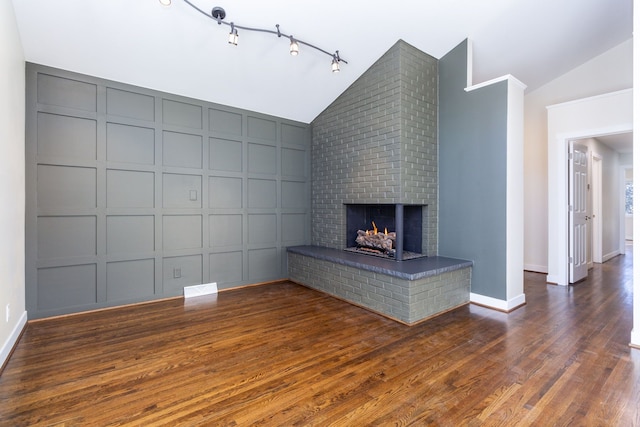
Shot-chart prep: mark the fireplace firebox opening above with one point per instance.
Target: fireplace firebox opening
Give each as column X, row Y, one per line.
column 385, row 230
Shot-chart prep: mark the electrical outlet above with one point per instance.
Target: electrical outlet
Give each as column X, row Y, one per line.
column 7, row 313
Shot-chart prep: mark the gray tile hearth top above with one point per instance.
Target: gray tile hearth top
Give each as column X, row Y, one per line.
column 409, row 270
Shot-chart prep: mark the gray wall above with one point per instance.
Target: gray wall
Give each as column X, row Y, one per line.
column 377, row 143
column 133, row 194
column 472, row 174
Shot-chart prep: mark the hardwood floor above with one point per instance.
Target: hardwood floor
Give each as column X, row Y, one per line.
column 282, row 354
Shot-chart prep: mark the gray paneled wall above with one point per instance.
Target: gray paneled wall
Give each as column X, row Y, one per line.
column 133, row 194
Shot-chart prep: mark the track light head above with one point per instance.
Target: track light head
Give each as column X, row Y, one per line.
column 294, row 49
column 335, row 63
column 233, row 36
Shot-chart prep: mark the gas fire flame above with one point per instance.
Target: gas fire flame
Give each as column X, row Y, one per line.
column 375, row 230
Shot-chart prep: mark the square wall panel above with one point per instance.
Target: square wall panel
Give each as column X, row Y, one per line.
column 181, row 271
column 68, row 286
column 264, row 264
column 225, row 155
column 130, row 144
column 181, row 114
column 64, row 136
column 262, row 158
column 262, row 193
column 181, row 232
column 225, row 193
column 181, row 191
column 130, row 279
column 130, row 234
column 62, row 92
column 66, row 187
column 261, row 128
column 130, row 104
column 225, row 230
column 293, row 227
column 225, row 122
column 263, row 228
column 66, row 236
column 225, row 267
column 294, row 195
column 181, row 150
column 294, row 162
column 295, row 135
column 130, row 189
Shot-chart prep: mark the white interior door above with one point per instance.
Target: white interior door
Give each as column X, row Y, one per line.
column 578, row 214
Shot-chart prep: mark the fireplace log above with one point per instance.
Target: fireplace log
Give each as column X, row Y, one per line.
column 380, row 241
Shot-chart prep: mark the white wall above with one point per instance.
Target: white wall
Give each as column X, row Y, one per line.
column 628, row 219
column 608, row 72
column 12, row 185
column 635, row 332
column 599, row 115
column 611, row 196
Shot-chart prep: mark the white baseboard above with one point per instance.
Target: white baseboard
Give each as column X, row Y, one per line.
column 11, row 341
column 498, row 304
column 635, row 338
column 610, row 255
column 555, row 280
column 199, row 290
column 536, row 268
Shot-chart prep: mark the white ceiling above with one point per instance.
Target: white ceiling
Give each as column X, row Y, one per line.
column 176, row 49
column 620, row 142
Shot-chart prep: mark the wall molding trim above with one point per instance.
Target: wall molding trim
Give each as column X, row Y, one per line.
column 536, row 268
column 498, row 304
column 12, row 340
column 610, row 255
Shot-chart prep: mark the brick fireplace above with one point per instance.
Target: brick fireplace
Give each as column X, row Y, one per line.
column 377, row 145
column 374, row 158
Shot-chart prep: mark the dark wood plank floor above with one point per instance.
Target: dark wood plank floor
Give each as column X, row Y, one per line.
column 282, row 354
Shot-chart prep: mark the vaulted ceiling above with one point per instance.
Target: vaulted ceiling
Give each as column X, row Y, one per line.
column 176, row 49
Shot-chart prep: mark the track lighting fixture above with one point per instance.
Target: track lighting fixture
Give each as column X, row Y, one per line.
column 218, row 14
column 233, row 36
column 335, row 63
column 293, row 47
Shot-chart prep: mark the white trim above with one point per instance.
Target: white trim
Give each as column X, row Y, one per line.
column 536, row 268
column 596, row 207
column 12, row 340
column 635, row 331
column 610, row 255
column 514, row 192
column 610, row 114
column 469, row 63
column 506, row 77
column 635, row 337
column 552, row 278
column 498, row 304
column 590, row 98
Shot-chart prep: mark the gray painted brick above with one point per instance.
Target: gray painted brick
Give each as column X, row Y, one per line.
column 407, row 301
column 377, row 143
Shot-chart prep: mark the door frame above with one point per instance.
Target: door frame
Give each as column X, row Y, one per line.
column 596, row 207
column 583, row 118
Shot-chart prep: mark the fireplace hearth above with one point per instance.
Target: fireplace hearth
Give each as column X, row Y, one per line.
column 385, row 230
